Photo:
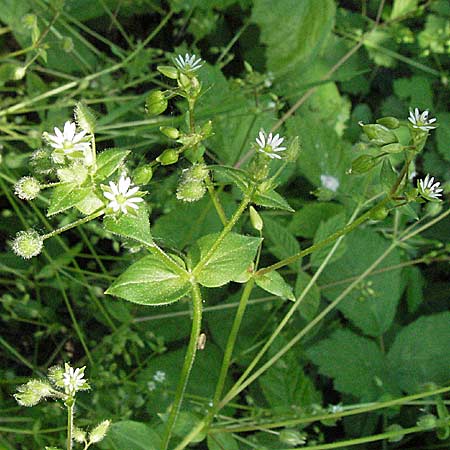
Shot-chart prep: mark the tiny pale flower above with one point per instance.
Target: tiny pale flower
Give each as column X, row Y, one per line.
column 188, row 63
column 122, row 196
column 73, row 380
column 329, row 182
column 421, row 120
column 68, row 140
column 269, row 144
column 429, row 190
column 159, row 376
column 27, row 188
column 28, row 244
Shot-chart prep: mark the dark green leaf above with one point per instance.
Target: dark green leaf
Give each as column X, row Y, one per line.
column 310, row 304
column 66, row 196
column 109, row 161
column 272, row 199
column 221, row 441
column 274, row 283
column 129, row 434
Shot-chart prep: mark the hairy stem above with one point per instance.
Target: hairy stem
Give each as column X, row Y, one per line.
column 70, row 425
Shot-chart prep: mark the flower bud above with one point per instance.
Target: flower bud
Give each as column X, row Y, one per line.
column 156, row 103
column 142, row 174
column 170, row 132
column 19, row 72
column 85, row 117
column 27, row 188
column 33, row 392
column 393, row 148
column 79, row 435
column 56, row 376
column 379, row 213
column 396, row 428
column 427, row 422
column 292, row 437
column 363, row 164
column 99, row 432
column 197, row 172
column 293, row 150
column 207, row 129
column 191, row 191
column 379, row 134
column 168, row 71
column 256, row 219
column 259, row 167
column 27, row 244
column 167, row 157
column 184, row 81
column 389, row 122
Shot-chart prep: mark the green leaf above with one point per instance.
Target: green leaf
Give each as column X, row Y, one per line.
column 132, row 226
column 310, row 304
column 372, row 305
column 238, row 176
column 274, row 283
column 443, row 135
column 402, row 7
column 305, row 27
column 234, row 255
column 149, row 282
column 109, row 161
column 420, row 353
column 415, row 282
column 91, row 203
column 221, row 441
column 132, row 435
column 388, row 176
column 66, row 196
column 271, row 199
column 356, row 364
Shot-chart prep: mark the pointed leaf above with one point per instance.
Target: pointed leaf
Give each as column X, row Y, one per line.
column 272, row 199
column 109, row 161
column 274, row 283
column 66, row 196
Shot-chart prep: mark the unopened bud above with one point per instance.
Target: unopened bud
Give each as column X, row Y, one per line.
column 33, row 392
column 168, row 157
column 207, row 129
column 256, row 219
column 197, row 172
column 395, row 427
column 168, row 71
column 143, row 174
column 363, row 164
column 379, row 213
column 379, row 134
column 293, row 150
column 27, row 244
column 393, row 148
column 99, row 432
column 389, row 122
column 85, row 117
column 191, row 191
column 184, row 81
column 427, row 422
column 292, row 437
column 19, row 72
column 156, row 103
column 170, row 132
column 27, row 188
column 79, row 435
column 56, row 376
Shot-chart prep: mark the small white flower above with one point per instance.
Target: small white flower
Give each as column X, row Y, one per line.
column 159, row 376
column 270, row 144
column 188, row 63
column 68, row 140
column 334, row 409
column 122, row 196
column 428, row 189
column 421, row 121
column 151, row 386
column 73, row 379
column 329, row 182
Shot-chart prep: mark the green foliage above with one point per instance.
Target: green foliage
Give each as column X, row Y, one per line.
column 131, row 434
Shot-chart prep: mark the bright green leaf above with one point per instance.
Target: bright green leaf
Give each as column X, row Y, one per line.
column 274, row 283
column 310, row 304
column 129, row 434
column 221, row 441
column 272, row 199
column 109, row 161
column 66, row 196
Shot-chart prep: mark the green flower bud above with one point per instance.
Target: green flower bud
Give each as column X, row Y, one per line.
column 67, row 44
column 27, row 244
column 99, row 432
column 256, row 219
column 168, row 71
column 259, row 167
column 395, row 427
column 389, row 122
column 156, row 103
column 167, row 157
column 56, row 376
column 379, row 213
column 393, row 148
column 27, row 188
column 142, row 174
column 195, row 153
column 85, row 117
column 191, row 191
column 79, row 435
column 184, row 81
column 427, row 422
column 379, row 134
column 207, row 129
column 33, row 392
column 170, row 132
column 363, row 164
column 197, row 172
column 292, row 437
column 293, row 150
column 19, row 72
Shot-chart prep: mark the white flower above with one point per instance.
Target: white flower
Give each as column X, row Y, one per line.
column 159, row 376
column 270, row 144
column 68, row 140
column 73, row 379
column 123, row 197
column 329, row 182
column 428, row 189
column 151, row 386
column 188, row 63
column 421, row 121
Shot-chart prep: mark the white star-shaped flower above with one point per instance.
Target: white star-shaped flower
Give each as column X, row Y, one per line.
column 123, row 196
column 329, row 182
column 73, row 380
column 421, row 120
column 68, row 140
column 428, row 189
column 270, row 144
column 188, row 63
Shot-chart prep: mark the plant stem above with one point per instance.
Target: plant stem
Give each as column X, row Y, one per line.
column 70, row 424
column 228, row 227
column 187, row 365
column 216, row 201
column 169, row 262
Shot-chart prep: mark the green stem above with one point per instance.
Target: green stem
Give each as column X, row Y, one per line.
column 187, row 365
column 169, row 262
column 216, row 201
column 228, row 227
column 70, row 425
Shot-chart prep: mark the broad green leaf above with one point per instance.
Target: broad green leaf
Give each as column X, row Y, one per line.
column 310, row 304
column 129, row 434
column 293, row 31
column 132, row 226
column 234, row 255
column 282, row 243
column 418, row 90
column 356, row 364
column 325, row 230
column 372, row 305
column 420, row 353
column 221, row 441
column 403, row 7
column 306, row 220
column 109, row 161
column 66, row 196
column 271, row 199
column 185, row 422
column 238, row 176
column 415, row 282
column 149, row 282
column 91, row 203
column 443, row 135
column 274, row 283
